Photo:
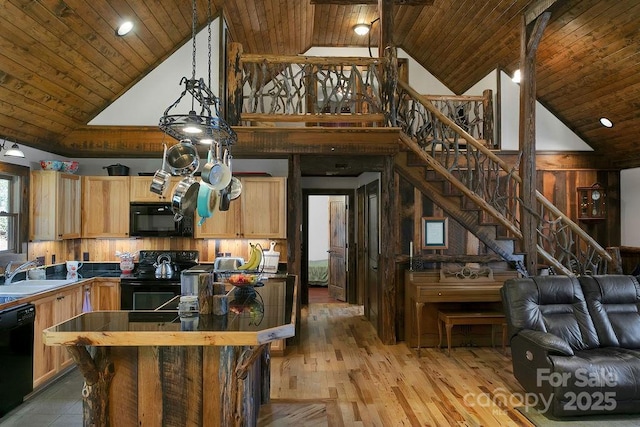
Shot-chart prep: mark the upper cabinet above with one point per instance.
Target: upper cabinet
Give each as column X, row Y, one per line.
column 259, row 212
column 55, row 206
column 140, row 189
column 105, row 206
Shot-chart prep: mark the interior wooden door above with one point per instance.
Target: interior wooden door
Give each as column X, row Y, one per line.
column 372, row 300
column 337, row 248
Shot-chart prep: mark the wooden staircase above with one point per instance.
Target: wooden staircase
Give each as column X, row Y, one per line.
column 459, row 207
column 480, row 191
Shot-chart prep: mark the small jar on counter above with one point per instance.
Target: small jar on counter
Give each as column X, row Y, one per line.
column 188, row 306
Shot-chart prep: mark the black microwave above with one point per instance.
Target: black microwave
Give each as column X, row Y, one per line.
column 157, row 220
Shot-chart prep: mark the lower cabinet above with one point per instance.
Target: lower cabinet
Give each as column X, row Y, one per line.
column 51, row 310
column 105, row 293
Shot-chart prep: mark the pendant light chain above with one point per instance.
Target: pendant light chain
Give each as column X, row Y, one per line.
column 194, row 126
column 209, row 39
column 194, row 21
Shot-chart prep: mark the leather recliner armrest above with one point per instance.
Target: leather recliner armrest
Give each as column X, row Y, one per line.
column 549, row 343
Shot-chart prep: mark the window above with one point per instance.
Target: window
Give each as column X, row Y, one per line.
column 9, row 214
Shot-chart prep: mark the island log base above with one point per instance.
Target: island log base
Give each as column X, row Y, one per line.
column 178, row 385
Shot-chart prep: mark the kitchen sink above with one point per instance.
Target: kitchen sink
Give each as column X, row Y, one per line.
column 30, row 287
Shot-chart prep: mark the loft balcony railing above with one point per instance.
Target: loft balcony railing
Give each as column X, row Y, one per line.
column 452, row 134
column 338, row 91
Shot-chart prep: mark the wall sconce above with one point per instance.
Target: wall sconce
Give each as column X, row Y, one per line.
column 517, row 76
column 14, row 151
column 361, row 29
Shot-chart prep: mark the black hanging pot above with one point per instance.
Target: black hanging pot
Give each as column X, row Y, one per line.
column 117, row 170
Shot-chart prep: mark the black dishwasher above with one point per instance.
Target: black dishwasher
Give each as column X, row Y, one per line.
column 16, row 355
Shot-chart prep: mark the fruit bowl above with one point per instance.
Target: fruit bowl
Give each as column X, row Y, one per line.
column 51, row 165
column 70, row 166
column 243, row 279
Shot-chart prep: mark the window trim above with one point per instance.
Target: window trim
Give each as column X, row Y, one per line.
column 22, row 198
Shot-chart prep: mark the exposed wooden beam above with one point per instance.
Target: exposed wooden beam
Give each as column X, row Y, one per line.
column 537, row 8
column 355, row 2
column 146, row 141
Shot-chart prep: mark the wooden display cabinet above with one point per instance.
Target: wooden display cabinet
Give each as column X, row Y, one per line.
column 592, row 204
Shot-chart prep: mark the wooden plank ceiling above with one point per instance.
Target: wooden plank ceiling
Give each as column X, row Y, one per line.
column 60, row 63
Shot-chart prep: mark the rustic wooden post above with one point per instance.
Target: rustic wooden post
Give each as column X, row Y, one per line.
column 97, row 373
column 386, row 262
column 294, row 222
column 615, row 266
column 265, row 376
column 388, row 51
column 487, row 123
column 234, row 81
column 532, row 29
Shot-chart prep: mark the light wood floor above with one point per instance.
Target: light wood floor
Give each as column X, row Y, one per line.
column 341, row 360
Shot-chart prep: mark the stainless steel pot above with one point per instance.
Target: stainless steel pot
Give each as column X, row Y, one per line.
column 184, row 198
column 236, row 188
column 183, row 158
column 216, row 172
column 160, row 180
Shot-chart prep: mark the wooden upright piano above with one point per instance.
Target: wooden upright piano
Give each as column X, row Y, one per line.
column 426, row 292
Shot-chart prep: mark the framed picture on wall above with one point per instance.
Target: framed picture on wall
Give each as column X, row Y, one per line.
column 434, row 233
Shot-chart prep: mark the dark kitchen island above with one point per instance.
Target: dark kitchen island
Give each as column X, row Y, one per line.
column 153, row 368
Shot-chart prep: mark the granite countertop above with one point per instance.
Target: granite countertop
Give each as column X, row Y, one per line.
column 255, row 316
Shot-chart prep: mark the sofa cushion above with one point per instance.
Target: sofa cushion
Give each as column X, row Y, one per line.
column 614, row 304
column 553, row 304
column 602, row 380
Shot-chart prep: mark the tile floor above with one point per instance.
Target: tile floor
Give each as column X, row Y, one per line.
column 59, row 404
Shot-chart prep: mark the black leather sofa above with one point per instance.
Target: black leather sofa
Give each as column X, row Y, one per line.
column 575, row 342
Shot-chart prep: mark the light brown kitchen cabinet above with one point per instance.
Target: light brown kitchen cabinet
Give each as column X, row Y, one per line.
column 55, row 212
column 105, row 206
column 52, row 309
column 139, row 189
column 222, row 224
column 259, row 212
column 105, row 293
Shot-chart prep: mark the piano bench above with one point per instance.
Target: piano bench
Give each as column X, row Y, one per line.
column 452, row 318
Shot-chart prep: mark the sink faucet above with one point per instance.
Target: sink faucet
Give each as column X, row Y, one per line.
column 8, row 276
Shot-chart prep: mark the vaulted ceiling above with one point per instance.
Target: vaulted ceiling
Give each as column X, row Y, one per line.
column 61, row 63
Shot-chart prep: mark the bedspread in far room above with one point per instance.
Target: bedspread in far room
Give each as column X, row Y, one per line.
column 319, row 272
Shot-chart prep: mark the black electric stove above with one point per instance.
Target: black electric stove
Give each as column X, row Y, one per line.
column 142, row 290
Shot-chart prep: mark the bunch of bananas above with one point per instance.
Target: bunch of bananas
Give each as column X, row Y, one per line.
column 255, row 258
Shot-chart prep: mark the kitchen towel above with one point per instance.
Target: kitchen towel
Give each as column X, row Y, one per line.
column 86, row 303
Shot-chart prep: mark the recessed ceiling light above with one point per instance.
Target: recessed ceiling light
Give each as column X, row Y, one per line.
column 606, row 122
column 124, row 28
column 517, row 76
column 361, row 29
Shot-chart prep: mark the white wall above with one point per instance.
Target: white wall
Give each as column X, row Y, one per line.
column 318, row 223
column 629, row 207
column 551, row 133
column 145, row 102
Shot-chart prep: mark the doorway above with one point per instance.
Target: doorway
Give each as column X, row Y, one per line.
column 327, row 269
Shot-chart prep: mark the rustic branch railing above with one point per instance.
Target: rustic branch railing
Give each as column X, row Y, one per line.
column 276, row 88
column 473, row 114
column 493, row 185
column 273, row 88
